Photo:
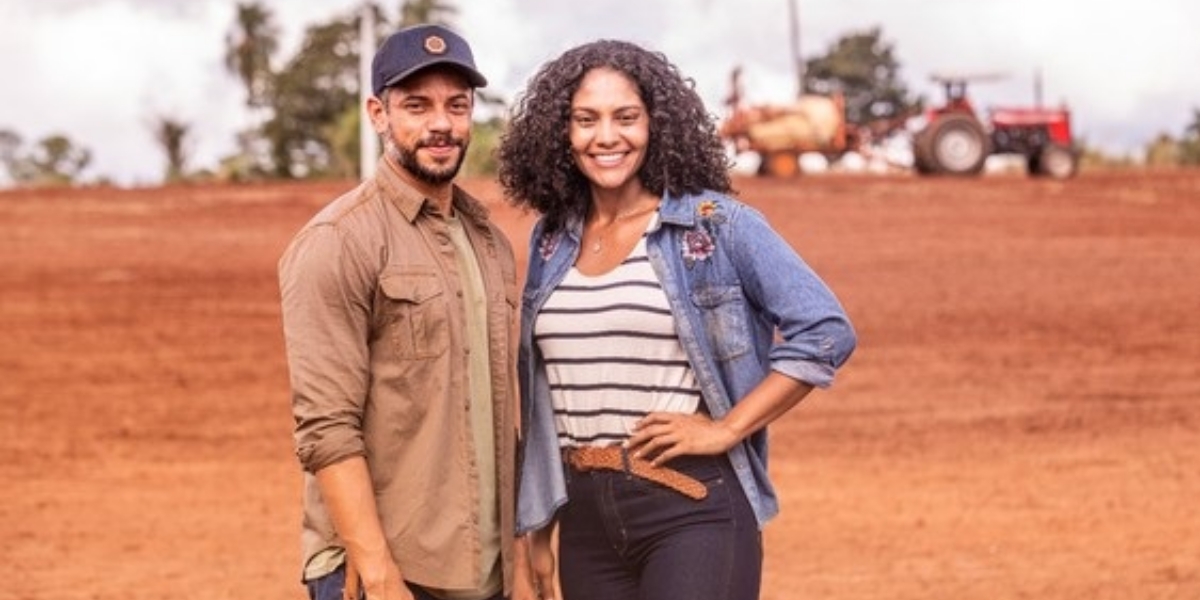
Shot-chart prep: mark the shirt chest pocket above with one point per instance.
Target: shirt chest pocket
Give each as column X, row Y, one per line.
column 723, row 309
column 415, row 313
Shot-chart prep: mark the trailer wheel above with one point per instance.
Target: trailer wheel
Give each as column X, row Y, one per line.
column 955, row 144
column 780, row 163
column 1057, row 161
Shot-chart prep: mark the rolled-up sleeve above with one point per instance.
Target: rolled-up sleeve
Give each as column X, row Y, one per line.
column 325, row 303
column 815, row 334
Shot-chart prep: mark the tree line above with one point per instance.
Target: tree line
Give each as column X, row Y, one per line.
column 306, row 112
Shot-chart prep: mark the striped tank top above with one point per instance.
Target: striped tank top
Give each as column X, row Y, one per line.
column 612, row 354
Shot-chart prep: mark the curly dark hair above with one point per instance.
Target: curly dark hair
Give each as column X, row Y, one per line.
column 684, row 154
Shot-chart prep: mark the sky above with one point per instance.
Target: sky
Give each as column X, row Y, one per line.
column 102, row 72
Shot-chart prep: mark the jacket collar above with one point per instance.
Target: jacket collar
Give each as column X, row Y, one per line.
column 678, row 210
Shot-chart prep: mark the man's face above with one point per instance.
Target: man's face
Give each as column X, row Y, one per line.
column 425, row 122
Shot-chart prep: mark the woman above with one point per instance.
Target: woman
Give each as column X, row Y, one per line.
column 664, row 325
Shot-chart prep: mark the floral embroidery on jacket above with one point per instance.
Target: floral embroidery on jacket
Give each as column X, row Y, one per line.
column 699, row 243
column 548, row 245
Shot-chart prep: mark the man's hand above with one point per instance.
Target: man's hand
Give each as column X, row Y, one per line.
column 385, row 584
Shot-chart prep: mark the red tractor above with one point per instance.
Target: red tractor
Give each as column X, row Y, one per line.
column 956, row 142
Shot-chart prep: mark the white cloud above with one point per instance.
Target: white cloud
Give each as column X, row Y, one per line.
column 104, row 72
column 100, row 71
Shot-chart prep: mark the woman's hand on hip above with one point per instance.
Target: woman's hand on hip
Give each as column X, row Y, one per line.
column 661, row 436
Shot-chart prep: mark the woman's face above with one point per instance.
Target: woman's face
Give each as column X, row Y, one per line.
column 609, row 129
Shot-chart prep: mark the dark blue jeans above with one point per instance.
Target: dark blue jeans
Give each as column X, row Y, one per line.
column 624, row 538
column 330, row 587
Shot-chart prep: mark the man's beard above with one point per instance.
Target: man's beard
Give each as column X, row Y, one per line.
column 406, row 157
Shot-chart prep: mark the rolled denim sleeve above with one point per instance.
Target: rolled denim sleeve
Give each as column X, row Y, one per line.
column 815, row 336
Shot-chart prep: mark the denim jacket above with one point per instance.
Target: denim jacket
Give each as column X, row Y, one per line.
column 733, row 283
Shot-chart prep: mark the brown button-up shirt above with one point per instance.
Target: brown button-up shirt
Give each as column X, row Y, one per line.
column 374, row 323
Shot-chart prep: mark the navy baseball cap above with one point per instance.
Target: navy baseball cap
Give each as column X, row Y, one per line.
column 414, row 48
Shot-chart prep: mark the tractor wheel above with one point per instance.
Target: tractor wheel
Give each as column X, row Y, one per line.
column 921, row 160
column 1033, row 164
column 922, row 167
column 780, row 163
column 1056, row 161
column 955, row 144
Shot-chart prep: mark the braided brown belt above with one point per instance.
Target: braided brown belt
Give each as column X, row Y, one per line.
column 615, row 458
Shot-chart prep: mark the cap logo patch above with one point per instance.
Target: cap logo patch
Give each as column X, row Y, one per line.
column 435, row 45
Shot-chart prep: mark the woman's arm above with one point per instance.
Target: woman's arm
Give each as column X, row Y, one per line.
column 659, row 436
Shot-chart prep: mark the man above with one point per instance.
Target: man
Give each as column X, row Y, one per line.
column 398, row 302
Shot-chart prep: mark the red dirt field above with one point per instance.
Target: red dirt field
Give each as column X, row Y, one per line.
column 1021, row 420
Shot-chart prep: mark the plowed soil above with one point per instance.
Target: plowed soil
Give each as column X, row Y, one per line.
column 1021, row 420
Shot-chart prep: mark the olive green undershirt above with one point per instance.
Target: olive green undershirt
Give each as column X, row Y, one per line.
column 480, row 389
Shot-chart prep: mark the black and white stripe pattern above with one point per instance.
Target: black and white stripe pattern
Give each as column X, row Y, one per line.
column 612, row 354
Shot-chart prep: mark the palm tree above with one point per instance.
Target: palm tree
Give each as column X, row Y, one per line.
column 1189, row 146
column 1194, row 127
column 171, row 135
column 249, row 46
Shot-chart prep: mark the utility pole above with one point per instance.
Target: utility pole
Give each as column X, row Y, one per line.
column 1037, row 87
column 368, row 141
column 794, row 13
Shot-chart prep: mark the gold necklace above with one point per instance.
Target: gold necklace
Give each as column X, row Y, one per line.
column 597, row 244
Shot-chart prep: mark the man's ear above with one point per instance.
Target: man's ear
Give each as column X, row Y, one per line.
column 377, row 113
